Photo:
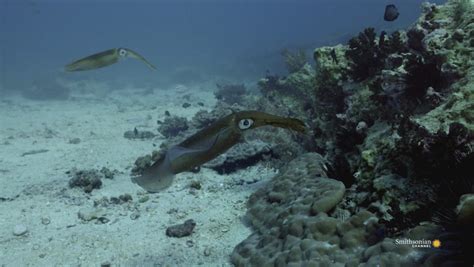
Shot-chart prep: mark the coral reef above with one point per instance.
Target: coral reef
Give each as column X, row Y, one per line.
column 172, row 126
column 293, row 228
column 181, row 230
column 393, row 117
column 136, row 134
column 88, row 180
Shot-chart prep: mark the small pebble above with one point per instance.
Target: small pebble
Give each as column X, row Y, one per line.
column 74, row 141
column 195, row 184
column 105, row 264
column 135, row 215
column 144, row 199
column 181, row 230
column 45, row 220
column 207, row 252
column 190, row 243
column 20, row 229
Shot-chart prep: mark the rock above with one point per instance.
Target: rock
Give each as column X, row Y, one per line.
column 240, row 156
column 207, row 252
column 136, row 134
column 20, row 229
column 144, row 199
column 135, row 215
column 89, row 214
column 108, row 174
column 186, row 105
column 74, row 141
column 86, row 179
column 181, row 230
column 172, row 126
column 45, row 220
column 195, row 184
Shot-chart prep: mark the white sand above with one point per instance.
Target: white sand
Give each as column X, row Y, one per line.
column 36, row 186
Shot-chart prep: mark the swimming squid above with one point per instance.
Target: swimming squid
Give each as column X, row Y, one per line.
column 104, row 59
column 207, row 144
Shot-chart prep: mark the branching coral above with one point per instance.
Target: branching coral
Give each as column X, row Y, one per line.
column 422, row 72
column 364, row 55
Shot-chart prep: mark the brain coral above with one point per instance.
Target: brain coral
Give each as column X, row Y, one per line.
column 292, row 227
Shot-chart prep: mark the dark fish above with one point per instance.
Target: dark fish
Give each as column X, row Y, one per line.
column 382, row 38
column 334, row 56
column 391, row 13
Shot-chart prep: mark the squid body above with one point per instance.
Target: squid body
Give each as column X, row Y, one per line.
column 207, row 144
column 104, row 59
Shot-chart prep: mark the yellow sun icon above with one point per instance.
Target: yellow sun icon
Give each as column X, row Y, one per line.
column 436, row 243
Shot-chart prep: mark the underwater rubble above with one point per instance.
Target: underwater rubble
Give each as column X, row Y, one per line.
column 393, row 117
column 89, row 180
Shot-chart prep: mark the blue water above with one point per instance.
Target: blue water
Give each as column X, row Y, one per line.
column 188, row 40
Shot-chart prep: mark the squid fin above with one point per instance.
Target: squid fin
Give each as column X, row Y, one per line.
column 157, row 177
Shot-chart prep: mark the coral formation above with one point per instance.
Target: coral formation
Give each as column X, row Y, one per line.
column 88, row 180
column 293, row 228
column 172, row 126
column 393, row 116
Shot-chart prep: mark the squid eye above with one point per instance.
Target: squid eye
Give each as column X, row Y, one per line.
column 122, row 52
column 245, row 124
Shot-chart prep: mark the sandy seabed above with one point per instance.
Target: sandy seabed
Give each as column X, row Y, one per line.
column 39, row 212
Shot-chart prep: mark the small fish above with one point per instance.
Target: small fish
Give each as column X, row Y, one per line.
column 206, row 145
column 334, row 56
column 382, row 38
column 104, row 59
column 391, row 13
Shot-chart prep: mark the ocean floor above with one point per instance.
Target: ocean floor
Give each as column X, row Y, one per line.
column 40, row 141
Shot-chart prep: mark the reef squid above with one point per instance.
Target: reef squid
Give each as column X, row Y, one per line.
column 104, row 59
column 207, row 144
